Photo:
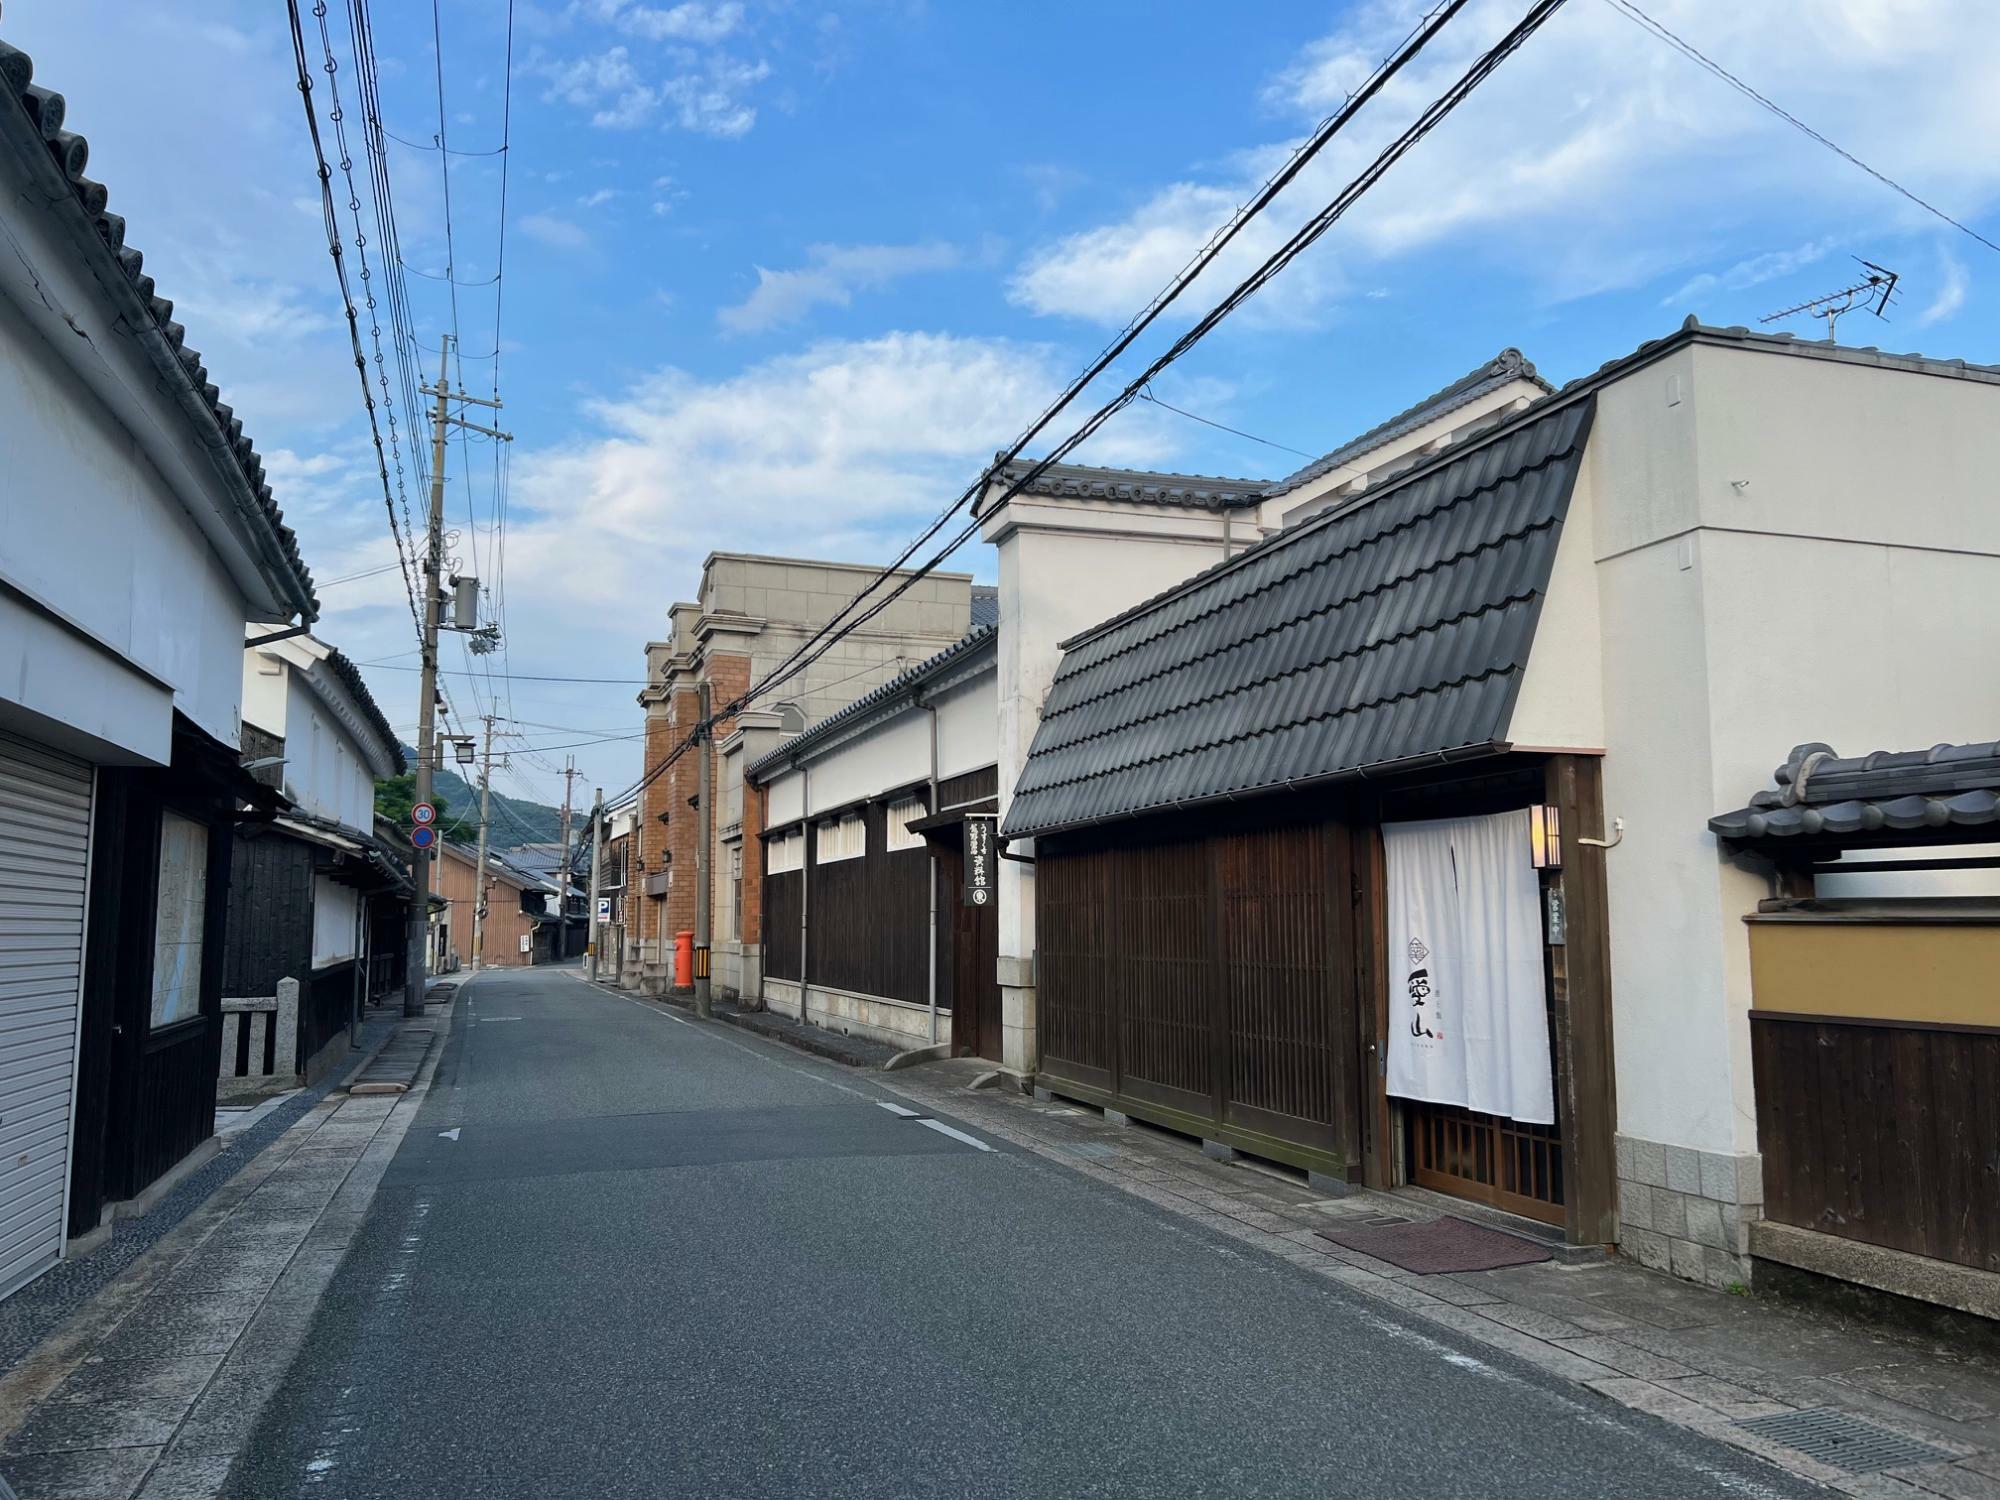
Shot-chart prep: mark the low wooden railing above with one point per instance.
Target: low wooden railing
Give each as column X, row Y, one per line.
column 273, row 1025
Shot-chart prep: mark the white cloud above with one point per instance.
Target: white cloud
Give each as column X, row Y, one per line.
column 833, row 274
column 707, row 95
column 691, row 22
column 1953, row 283
column 595, row 199
column 557, row 233
column 840, row 451
column 1754, row 271
column 1594, row 158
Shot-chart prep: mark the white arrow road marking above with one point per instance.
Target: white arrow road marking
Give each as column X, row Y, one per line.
column 958, row 1135
column 896, row 1109
column 451, row 1134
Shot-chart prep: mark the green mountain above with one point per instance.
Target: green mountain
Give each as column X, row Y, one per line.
column 516, row 821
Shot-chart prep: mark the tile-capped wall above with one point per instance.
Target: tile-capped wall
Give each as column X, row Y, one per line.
column 1688, row 1212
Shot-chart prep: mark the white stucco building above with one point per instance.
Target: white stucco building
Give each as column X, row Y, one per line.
column 137, row 535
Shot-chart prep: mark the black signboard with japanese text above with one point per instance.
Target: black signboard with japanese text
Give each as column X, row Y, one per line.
column 981, row 855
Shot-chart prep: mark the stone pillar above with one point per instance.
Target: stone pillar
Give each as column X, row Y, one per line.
column 1687, row 1211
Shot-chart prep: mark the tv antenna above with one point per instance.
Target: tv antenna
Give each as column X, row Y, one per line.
column 1873, row 292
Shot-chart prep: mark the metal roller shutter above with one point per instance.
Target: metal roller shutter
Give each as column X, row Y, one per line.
column 44, row 862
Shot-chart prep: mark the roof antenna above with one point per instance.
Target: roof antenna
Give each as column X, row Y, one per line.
column 1874, row 292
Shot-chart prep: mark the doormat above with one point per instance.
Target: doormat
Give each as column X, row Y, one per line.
column 1439, row 1247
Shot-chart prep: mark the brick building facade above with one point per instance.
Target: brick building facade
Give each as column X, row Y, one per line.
column 749, row 617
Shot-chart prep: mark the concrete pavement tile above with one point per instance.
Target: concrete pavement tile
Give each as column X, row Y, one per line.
column 148, row 1376
column 1953, row 1480
column 96, row 1474
column 123, row 1422
column 1532, row 1321
column 1451, row 1289
column 1732, row 1401
column 1983, row 1463
column 1404, row 1294
column 1543, row 1356
column 1921, row 1386
column 1644, row 1395
column 186, row 1476
column 1878, row 1487
column 1626, row 1359
column 203, row 1324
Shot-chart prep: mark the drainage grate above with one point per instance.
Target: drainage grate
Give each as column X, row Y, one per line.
column 1845, row 1442
column 1089, row 1148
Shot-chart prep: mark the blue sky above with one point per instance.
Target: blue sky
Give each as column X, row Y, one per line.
column 778, row 276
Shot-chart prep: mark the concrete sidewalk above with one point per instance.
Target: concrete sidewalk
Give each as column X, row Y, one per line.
column 1701, row 1359
column 154, row 1386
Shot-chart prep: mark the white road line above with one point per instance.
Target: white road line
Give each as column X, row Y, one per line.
column 958, row 1135
column 897, row 1109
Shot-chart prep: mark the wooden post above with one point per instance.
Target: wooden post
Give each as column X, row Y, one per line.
column 1585, row 1078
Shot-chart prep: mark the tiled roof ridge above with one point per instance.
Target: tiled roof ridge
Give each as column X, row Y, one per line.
column 874, row 698
column 1303, row 619
column 350, row 677
column 1509, row 364
column 1288, row 536
column 45, row 110
column 1317, row 663
column 1385, row 699
column 1692, row 327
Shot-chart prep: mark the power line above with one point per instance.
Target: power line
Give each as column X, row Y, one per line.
column 1419, row 36
column 1688, row 50
column 1147, row 395
column 1303, row 238
column 332, row 221
column 519, row 676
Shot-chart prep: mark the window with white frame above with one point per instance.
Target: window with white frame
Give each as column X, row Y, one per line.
column 734, row 926
column 844, row 837
column 786, row 853
column 902, row 812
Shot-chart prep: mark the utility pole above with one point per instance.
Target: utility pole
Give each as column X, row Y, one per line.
column 596, row 877
column 420, row 912
column 562, row 870
column 479, row 879
column 704, row 858
column 442, row 420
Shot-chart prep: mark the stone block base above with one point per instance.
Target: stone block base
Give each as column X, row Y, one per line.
column 1688, row 1212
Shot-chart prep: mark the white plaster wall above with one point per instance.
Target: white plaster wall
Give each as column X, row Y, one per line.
column 325, row 772
column 785, row 800
column 90, row 530
column 1561, row 703
column 968, row 724
column 334, row 912
column 889, row 755
column 1792, row 550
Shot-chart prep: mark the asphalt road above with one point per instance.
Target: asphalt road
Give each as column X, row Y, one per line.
column 665, row 1259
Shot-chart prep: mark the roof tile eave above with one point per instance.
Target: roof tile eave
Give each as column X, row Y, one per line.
column 42, row 111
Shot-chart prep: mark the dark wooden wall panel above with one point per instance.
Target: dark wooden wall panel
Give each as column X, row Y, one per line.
column 1884, row 1134
column 782, row 893
column 1204, row 965
column 326, row 1001
column 270, row 915
column 870, row 919
column 968, row 786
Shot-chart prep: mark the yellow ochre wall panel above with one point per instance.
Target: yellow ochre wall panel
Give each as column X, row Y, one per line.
column 1945, row 973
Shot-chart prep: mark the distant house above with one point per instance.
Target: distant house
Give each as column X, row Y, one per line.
column 137, row 534
column 317, row 895
column 1384, row 846
column 527, row 919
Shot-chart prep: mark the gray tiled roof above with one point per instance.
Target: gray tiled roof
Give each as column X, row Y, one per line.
column 893, row 693
column 350, row 677
column 985, row 605
column 1206, row 492
column 1820, row 794
column 1504, row 368
column 1394, row 629
column 28, row 108
column 1137, row 486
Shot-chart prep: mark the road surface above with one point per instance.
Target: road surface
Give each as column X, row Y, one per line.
column 623, row 1254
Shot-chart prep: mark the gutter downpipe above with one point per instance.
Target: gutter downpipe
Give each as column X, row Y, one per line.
column 931, row 975
column 805, row 882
